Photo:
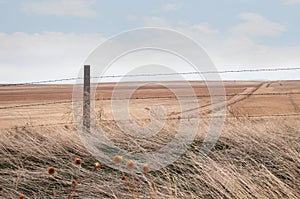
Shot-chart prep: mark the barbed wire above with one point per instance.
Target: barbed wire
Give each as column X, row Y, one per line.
column 199, row 73
column 39, row 82
column 159, row 97
column 38, row 104
column 167, row 119
column 146, row 98
column 40, row 125
column 150, row 75
column 197, row 96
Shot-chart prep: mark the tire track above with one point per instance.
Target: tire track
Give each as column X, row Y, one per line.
column 224, row 104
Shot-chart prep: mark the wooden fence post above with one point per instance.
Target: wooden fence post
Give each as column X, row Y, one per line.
column 87, row 99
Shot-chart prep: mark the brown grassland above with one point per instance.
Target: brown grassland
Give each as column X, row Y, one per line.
column 256, row 156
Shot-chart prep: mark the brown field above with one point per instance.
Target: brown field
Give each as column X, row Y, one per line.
column 257, row 155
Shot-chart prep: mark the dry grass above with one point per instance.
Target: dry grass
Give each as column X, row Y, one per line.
column 257, row 158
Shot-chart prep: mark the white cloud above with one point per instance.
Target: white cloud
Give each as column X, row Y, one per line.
column 131, row 18
column 151, row 21
column 28, row 57
column 257, row 25
column 237, row 51
column 172, row 7
column 75, row 8
column 205, row 28
column 234, row 52
column 52, row 55
column 291, row 2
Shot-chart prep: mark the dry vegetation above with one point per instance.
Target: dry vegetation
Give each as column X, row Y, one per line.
column 254, row 158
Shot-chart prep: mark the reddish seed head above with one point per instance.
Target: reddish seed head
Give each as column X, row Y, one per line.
column 77, row 161
column 146, row 168
column 130, row 164
column 21, row 197
column 74, row 183
column 124, row 178
column 118, row 159
column 97, row 166
column 51, row 171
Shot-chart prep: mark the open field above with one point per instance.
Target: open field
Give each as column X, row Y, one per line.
column 257, row 155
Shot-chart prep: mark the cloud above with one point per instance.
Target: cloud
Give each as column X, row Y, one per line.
column 205, row 28
column 256, row 25
column 291, row 2
column 131, row 18
column 232, row 52
column 152, row 21
column 53, row 55
column 73, row 8
column 50, row 55
column 172, row 7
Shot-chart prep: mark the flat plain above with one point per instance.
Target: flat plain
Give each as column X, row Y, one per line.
column 256, row 156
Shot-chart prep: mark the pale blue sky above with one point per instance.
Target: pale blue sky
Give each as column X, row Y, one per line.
column 47, row 35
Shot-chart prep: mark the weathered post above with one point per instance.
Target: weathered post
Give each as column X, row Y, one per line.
column 87, row 99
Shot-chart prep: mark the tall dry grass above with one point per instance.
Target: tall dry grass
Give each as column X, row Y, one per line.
column 254, row 158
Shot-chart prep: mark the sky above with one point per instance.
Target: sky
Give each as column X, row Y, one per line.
column 51, row 39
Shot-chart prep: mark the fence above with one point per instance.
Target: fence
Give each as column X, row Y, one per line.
column 87, row 99
column 149, row 75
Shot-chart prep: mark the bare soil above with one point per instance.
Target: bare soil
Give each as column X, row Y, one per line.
column 256, row 156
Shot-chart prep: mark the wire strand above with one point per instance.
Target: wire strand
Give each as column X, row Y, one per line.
column 151, row 75
column 170, row 118
column 146, row 98
column 199, row 73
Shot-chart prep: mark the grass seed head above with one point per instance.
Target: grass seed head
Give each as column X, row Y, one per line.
column 146, row 168
column 130, row 164
column 97, row 166
column 74, row 183
column 77, row 161
column 51, row 171
column 118, row 159
column 21, row 197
